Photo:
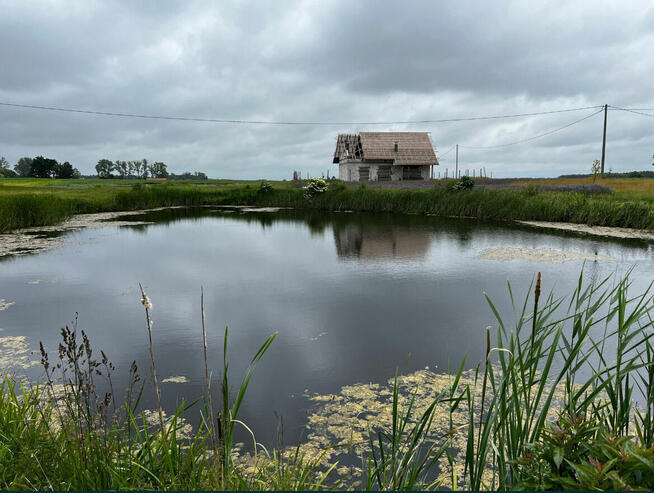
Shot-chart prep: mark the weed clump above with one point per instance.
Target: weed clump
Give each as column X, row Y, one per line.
column 463, row 183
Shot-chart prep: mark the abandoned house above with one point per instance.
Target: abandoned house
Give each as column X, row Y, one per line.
column 384, row 156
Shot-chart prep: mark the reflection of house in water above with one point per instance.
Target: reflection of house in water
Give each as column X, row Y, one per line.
column 379, row 242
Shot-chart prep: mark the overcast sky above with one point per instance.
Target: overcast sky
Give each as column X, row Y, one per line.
column 325, row 61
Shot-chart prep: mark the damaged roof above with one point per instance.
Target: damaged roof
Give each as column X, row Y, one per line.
column 413, row 148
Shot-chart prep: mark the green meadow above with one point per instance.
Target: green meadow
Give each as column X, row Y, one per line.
column 38, row 202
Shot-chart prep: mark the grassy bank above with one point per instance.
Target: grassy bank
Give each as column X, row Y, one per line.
column 551, row 407
column 35, row 203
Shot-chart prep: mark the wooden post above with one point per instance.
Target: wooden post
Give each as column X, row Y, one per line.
column 456, row 172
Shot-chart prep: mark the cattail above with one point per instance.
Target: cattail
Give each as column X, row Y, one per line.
column 536, row 296
column 148, row 306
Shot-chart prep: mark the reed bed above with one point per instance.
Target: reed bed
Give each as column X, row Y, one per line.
column 47, row 205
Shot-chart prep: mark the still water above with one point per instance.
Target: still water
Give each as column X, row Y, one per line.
column 353, row 296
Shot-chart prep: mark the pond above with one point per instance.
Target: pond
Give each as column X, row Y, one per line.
column 353, row 296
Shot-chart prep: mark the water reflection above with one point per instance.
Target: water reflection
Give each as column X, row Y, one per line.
column 365, row 242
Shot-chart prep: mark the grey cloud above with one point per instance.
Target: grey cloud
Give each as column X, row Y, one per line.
column 322, row 61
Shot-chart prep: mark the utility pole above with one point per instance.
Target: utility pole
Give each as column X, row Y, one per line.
column 456, row 172
column 606, row 107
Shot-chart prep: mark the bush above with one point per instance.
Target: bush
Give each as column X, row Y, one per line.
column 265, row 188
column 463, row 183
column 316, row 186
column 577, row 453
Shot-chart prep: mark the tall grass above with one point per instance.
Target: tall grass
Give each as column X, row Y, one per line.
column 27, row 210
column 537, row 378
column 18, row 209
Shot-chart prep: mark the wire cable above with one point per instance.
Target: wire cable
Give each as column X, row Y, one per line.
column 263, row 122
column 637, row 112
column 550, row 132
column 446, row 152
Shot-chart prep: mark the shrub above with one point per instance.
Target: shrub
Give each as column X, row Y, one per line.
column 316, row 186
column 265, row 188
column 580, row 454
column 463, row 183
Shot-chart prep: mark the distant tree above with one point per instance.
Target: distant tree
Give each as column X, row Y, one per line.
column 23, row 166
column 596, row 169
column 7, row 173
column 158, row 170
column 198, row 175
column 4, row 164
column 43, row 167
column 131, row 170
column 144, row 169
column 122, row 168
column 104, row 168
column 66, row 171
column 135, row 168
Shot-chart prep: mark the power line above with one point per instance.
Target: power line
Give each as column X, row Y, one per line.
column 447, row 152
column 550, row 132
column 629, row 109
column 635, row 111
column 263, row 122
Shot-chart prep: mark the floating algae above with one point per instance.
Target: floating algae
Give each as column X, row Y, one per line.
column 339, row 425
column 183, row 428
column 179, row 379
column 4, row 304
column 538, row 255
column 42, row 238
column 15, row 353
column 605, row 231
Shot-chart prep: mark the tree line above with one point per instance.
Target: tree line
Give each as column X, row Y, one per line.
column 131, row 169
column 38, row 167
column 42, row 167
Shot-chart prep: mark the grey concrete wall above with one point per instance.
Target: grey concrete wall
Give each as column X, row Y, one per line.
column 349, row 171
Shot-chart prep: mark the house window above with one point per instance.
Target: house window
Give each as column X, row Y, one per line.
column 364, row 173
column 384, row 173
column 412, row 173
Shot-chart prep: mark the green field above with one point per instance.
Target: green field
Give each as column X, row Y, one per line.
column 38, row 202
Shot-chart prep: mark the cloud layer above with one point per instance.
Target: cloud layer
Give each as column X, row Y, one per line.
column 324, row 61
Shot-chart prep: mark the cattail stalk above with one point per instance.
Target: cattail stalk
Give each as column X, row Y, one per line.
column 208, row 380
column 536, row 296
column 148, row 305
